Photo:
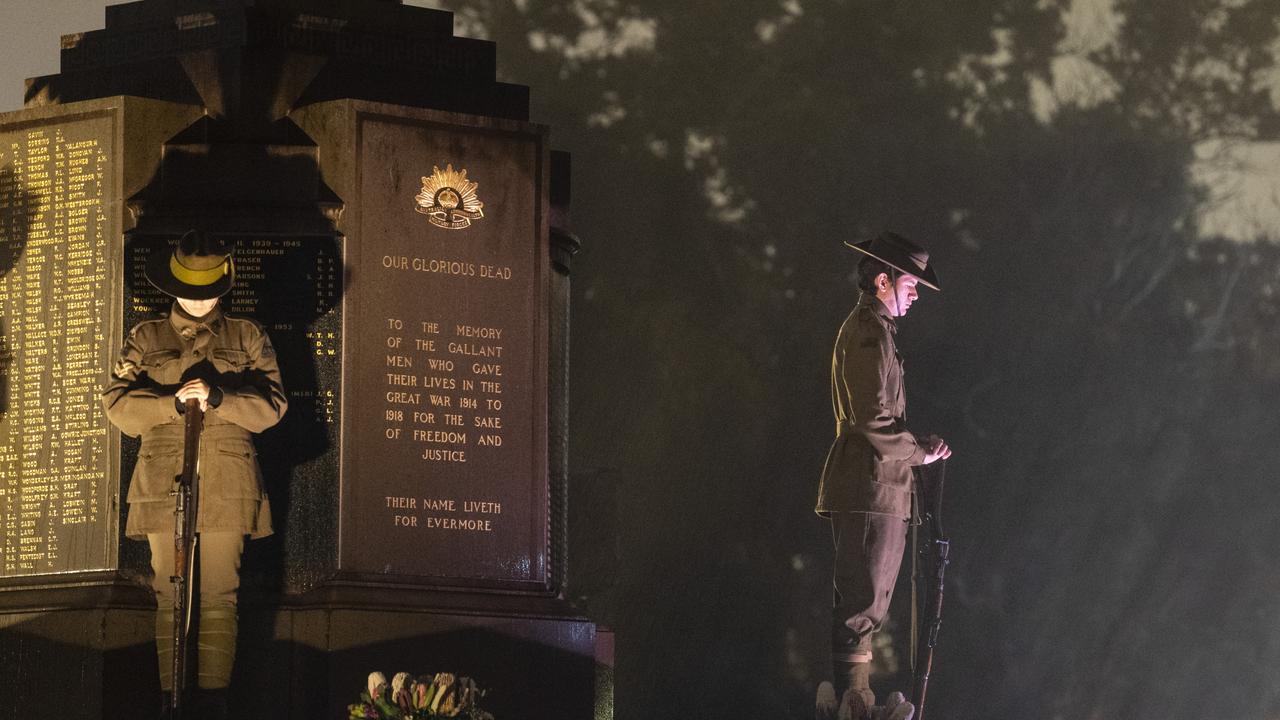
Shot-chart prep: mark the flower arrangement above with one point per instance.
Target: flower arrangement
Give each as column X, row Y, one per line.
column 442, row 695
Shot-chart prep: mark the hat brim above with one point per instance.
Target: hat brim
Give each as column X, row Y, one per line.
column 159, row 275
column 927, row 276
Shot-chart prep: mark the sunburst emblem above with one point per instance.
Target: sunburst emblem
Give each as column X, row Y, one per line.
column 449, row 199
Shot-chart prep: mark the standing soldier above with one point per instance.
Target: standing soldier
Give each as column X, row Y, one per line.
column 228, row 365
column 866, row 482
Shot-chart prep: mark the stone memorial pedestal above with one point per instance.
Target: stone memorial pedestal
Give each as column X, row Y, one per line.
column 401, row 231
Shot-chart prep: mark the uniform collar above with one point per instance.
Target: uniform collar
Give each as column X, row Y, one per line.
column 881, row 311
column 188, row 327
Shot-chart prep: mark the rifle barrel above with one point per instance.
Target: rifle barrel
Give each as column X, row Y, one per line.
column 941, row 552
column 185, row 512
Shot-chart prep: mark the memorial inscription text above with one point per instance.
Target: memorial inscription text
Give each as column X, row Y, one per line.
column 444, row 397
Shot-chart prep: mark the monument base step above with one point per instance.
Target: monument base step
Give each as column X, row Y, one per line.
column 306, row 657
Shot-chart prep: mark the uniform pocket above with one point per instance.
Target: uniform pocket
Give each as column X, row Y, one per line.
column 229, row 360
column 153, row 477
column 162, row 366
column 231, row 470
column 894, row 474
column 156, row 358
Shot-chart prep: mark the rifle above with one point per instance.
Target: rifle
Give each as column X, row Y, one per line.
column 940, row 549
column 185, row 512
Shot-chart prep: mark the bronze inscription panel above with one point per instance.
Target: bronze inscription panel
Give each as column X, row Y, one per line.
column 57, row 500
column 445, row 469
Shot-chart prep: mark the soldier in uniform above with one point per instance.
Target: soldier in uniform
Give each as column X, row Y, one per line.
column 228, row 365
column 866, row 482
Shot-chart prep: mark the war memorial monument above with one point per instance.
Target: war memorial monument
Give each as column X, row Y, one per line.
column 402, row 232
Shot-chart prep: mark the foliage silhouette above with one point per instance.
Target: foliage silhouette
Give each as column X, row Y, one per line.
column 1108, row 455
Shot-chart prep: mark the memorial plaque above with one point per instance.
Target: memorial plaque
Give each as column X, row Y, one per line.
column 445, row 446
column 57, row 227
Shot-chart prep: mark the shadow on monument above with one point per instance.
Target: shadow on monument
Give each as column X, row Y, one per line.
column 323, row 684
column 50, row 640
column 15, row 220
column 277, row 679
column 290, row 279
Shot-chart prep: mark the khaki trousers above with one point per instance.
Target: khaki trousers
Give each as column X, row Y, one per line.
column 218, row 565
column 868, row 555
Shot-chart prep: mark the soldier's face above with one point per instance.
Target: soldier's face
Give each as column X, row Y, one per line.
column 197, row 308
column 897, row 297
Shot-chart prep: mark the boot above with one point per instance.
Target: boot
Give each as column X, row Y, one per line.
column 190, row 709
column 856, row 705
column 825, row 706
column 212, row 704
column 216, row 654
column 856, row 700
column 896, row 707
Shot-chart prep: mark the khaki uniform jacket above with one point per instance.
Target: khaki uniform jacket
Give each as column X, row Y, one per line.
column 868, row 467
column 233, row 354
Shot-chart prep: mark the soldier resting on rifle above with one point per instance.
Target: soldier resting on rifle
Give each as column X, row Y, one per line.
column 228, row 365
column 866, row 482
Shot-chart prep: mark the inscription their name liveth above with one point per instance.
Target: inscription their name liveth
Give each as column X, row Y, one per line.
column 54, row 229
column 444, row 514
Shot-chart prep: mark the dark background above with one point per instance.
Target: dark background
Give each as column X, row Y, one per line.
column 1099, row 182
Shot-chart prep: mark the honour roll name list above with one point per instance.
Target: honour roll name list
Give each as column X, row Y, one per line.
column 53, row 233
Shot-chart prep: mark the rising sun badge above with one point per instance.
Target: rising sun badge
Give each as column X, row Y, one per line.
column 449, row 199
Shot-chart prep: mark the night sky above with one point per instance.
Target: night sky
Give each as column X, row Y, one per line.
column 1099, row 184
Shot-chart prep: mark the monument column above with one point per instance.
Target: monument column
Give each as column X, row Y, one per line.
column 401, row 230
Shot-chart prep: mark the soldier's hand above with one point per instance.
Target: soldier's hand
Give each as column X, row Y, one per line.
column 195, row 390
column 935, row 449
